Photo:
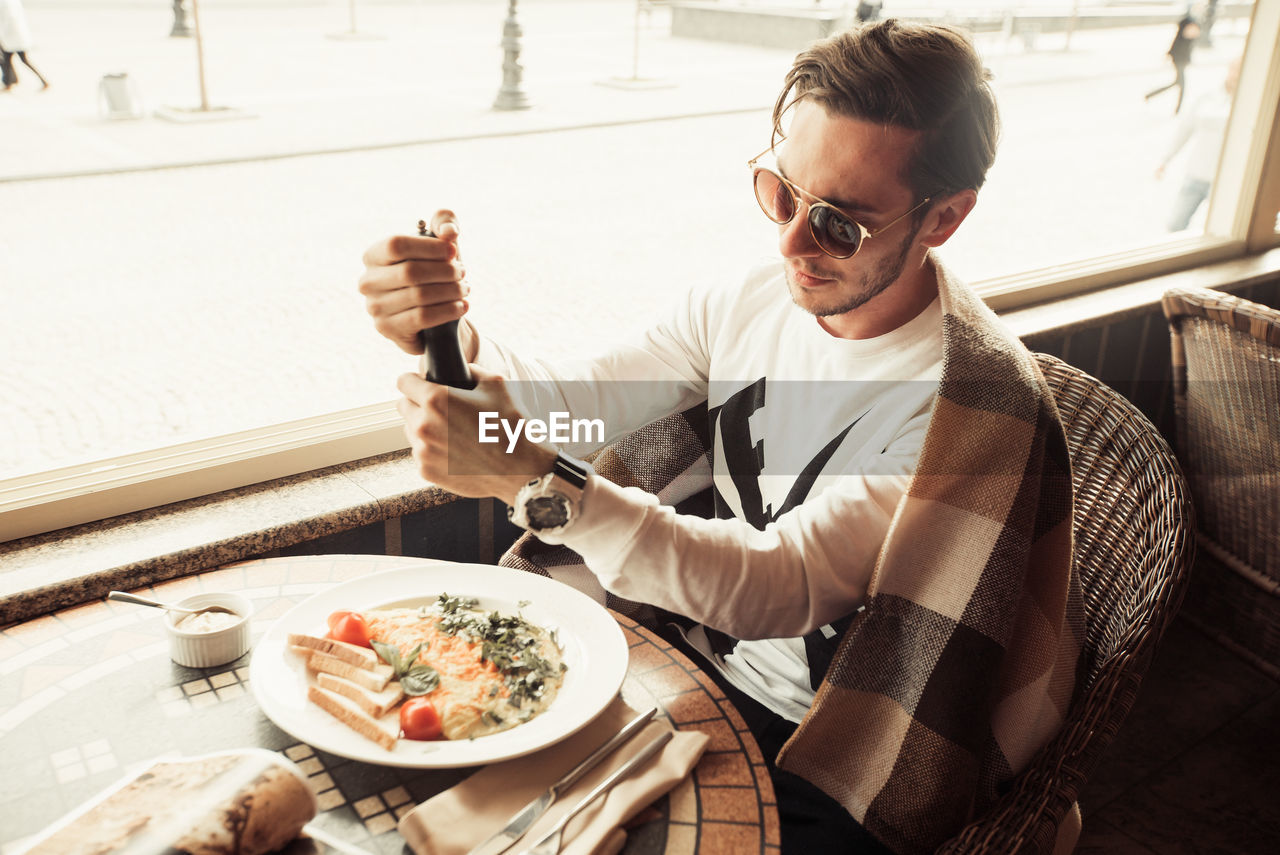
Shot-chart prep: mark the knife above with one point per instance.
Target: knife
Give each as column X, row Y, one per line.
column 553, row 840
column 528, row 815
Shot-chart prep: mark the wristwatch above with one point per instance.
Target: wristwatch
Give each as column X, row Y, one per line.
column 547, row 506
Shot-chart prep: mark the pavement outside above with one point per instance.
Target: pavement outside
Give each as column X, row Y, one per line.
column 164, row 281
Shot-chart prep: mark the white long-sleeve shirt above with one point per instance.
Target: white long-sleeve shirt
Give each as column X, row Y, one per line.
column 1201, row 130
column 785, row 398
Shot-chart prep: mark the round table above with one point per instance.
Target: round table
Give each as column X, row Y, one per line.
column 88, row 694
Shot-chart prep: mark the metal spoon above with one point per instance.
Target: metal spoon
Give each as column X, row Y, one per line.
column 143, row 601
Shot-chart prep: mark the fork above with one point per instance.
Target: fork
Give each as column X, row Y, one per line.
column 551, row 843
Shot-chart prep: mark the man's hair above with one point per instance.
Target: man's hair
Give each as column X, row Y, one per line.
column 923, row 77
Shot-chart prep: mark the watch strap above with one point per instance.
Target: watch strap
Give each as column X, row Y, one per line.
column 571, row 470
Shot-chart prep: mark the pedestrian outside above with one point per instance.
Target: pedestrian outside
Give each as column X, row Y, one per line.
column 1179, row 53
column 15, row 40
column 1200, row 131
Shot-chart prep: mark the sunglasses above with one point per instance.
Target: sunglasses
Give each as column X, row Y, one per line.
column 835, row 232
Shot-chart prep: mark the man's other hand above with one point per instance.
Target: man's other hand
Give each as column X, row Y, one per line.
column 443, row 427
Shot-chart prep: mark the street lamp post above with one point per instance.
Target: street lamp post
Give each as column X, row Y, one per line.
column 204, row 92
column 180, row 26
column 511, row 96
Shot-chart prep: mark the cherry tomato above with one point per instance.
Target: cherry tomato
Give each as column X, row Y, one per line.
column 349, row 627
column 420, row 720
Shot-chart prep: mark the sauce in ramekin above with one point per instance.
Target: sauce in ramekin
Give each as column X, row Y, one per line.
column 208, row 621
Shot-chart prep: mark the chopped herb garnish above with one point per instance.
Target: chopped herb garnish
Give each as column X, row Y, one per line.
column 509, row 642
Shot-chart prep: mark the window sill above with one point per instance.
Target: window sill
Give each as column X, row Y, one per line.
column 1119, row 302
column 73, row 565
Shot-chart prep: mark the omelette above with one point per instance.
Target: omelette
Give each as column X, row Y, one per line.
column 483, row 671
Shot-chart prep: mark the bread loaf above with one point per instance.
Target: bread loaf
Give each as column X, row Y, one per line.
column 244, row 802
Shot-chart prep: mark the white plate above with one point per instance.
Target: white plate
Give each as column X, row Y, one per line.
column 595, row 652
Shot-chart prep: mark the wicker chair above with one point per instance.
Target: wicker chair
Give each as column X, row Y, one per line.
column 1133, row 524
column 1226, row 375
column 1133, row 546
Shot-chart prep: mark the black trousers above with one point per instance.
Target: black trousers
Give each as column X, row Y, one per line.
column 1179, row 80
column 812, row 822
column 10, row 72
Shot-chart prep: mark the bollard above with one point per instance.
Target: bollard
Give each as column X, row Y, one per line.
column 511, row 96
column 180, row 25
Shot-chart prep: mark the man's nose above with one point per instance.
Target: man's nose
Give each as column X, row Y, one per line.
column 794, row 238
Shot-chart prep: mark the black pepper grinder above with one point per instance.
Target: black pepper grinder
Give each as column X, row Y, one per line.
column 445, row 362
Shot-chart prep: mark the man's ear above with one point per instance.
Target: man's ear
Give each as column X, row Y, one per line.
column 945, row 217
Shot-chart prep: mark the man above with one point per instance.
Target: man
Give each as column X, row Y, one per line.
column 891, row 561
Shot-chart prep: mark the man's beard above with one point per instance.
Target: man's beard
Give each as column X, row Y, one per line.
column 873, row 283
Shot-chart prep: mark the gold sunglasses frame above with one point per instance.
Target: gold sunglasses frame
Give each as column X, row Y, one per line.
column 797, row 191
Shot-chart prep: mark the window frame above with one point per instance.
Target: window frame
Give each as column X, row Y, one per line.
column 1241, row 221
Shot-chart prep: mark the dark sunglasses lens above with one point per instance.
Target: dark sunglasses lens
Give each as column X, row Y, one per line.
column 835, row 233
column 774, row 197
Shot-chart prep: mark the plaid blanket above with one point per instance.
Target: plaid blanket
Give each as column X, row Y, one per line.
column 964, row 660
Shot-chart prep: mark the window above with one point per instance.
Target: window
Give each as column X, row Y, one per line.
column 173, row 332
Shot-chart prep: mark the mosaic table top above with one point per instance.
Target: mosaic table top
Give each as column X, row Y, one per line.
column 89, row 694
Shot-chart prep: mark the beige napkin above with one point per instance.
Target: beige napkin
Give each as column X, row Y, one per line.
column 461, row 818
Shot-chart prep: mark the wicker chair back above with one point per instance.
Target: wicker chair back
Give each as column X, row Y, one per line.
column 1133, row 524
column 1226, row 382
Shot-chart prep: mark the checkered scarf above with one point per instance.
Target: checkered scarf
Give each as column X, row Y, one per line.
column 964, row 660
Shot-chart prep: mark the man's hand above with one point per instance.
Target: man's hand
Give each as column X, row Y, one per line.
column 443, row 428
column 413, row 283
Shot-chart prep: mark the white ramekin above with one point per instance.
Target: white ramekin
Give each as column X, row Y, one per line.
column 207, row 649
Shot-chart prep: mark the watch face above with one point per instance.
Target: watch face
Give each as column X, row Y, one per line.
column 545, row 512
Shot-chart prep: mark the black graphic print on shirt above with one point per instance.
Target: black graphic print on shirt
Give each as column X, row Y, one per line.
column 745, row 459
